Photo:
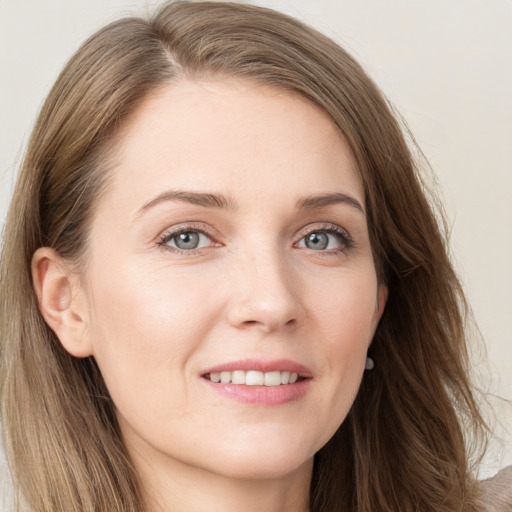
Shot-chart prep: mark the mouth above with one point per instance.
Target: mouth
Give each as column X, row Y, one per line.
column 255, row 378
column 261, row 383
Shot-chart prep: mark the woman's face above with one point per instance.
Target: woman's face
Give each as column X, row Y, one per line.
column 232, row 239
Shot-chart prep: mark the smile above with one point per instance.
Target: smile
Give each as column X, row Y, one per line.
column 254, row 378
column 258, row 382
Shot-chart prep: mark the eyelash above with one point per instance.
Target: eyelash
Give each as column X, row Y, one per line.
column 343, row 237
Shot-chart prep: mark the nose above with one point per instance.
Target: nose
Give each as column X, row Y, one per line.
column 265, row 295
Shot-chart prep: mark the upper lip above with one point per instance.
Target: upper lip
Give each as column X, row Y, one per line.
column 282, row 365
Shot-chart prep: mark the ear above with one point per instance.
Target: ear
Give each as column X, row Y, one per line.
column 61, row 301
column 382, row 298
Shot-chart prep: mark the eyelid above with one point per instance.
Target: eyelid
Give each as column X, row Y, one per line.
column 322, row 226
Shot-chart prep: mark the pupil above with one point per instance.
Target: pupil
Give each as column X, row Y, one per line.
column 317, row 241
column 188, row 240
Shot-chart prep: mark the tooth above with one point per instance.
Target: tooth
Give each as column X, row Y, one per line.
column 272, row 378
column 238, row 377
column 225, row 377
column 254, row 378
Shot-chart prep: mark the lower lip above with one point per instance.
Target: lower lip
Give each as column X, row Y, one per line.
column 262, row 395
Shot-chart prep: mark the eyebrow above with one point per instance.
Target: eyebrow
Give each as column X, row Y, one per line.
column 203, row 199
column 209, row 200
column 315, row 202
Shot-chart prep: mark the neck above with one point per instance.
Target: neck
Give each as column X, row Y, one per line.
column 172, row 485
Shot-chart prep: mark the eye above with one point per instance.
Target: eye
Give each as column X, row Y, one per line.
column 331, row 238
column 185, row 240
column 319, row 241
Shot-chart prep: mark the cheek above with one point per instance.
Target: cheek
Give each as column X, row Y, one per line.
column 144, row 327
column 346, row 309
column 157, row 303
column 345, row 317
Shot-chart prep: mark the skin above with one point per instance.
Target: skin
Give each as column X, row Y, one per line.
column 155, row 317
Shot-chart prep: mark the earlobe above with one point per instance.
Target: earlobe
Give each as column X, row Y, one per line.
column 60, row 301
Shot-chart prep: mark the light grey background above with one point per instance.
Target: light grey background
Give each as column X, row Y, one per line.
column 446, row 65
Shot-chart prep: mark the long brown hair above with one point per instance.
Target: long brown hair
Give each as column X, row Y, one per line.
column 404, row 443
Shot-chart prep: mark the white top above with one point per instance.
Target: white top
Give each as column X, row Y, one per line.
column 496, row 492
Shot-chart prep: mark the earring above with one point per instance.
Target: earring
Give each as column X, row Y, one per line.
column 369, row 364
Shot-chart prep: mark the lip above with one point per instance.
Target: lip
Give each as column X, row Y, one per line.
column 264, row 396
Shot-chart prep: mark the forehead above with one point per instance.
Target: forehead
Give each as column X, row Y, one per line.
column 231, row 136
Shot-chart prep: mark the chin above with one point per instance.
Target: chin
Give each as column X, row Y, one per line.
column 262, row 459
column 262, row 468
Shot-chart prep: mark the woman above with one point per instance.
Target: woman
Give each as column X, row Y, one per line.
column 231, row 290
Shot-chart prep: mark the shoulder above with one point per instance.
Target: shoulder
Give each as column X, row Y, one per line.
column 496, row 492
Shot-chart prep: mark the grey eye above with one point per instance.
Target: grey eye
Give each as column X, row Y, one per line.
column 324, row 239
column 317, row 241
column 188, row 240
